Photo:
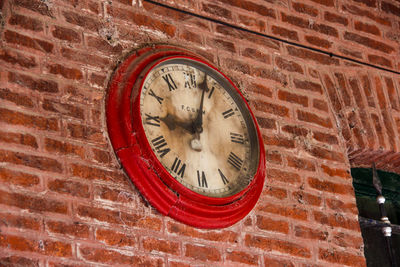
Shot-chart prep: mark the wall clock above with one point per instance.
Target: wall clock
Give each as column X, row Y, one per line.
column 185, row 136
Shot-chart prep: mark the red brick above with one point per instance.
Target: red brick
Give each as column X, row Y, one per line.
column 86, row 133
column 320, row 104
column 318, row 41
column 285, row 247
column 305, row 9
column 260, row 89
column 270, row 74
column 286, row 211
column 85, row 58
column 304, row 23
column 93, row 173
column 273, row 157
column 16, row 58
column 34, row 43
column 295, row 130
column 268, row 224
column 278, row 110
column 340, row 206
column 26, row 22
column 113, row 238
column 81, row 20
column 18, row 138
column 202, row 253
column 392, row 93
column 36, row 6
column 191, row 36
column 329, row 3
column 275, row 192
column 62, row 147
column 323, row 153
column 217, row 10
column 251, row 22
column 293, row 98
column 283, row 176
column 307, row 199
column 31, row 121
column 71, row 229
column 368, row 28
column 308, row 86
column 68, row 73
column 18, row 178
column 47, row 247
column 66, row 34
column 365, row 13
column 256, row 55
column 378, row 129
column 336, row 172
column 40, row 85
column 21, row 222
column 390, row 8
column 310, row 233
column 278, row 141
column 283, row 32
column 337, row 220
column 348, row 241
column 160, row 245
column 326, row 186
column 252, row 7
column 379, row 60
column 313, row 56
column 114, row 257
column 142, row 20
column 344, row 258
column 236, row 65
column 270, row 262
column 368, row 42
column 242, row 257
column 103, row 46
column 313, row 118
column 288, row 65
column 38, row 162
column 40, row 204
column 63, row 108
column 218, row 236
column 335, row 18
column 16, row 98
column 9, row 261
column 366, row 85
column 75, row 189
column 119, row 217
column 300, row 163
column 114, row 195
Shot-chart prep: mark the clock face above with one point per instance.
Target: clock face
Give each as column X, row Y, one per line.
column 199, row 127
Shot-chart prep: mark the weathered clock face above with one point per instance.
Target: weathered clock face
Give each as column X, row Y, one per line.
column 199, row 128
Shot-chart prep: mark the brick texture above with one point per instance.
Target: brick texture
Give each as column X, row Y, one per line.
column 64, row 199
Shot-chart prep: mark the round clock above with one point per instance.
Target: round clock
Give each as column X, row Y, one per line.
column 186, row 137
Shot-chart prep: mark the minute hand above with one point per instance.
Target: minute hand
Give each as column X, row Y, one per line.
column 198, row 122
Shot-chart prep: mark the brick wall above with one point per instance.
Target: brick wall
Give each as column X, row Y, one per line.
column 64, row 200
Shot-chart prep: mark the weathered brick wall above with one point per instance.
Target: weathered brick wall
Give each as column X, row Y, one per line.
column 64, row 201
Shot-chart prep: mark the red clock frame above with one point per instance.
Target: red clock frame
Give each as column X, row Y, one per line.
column 153, row 181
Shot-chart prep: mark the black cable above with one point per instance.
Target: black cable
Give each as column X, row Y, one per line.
column 330, row 54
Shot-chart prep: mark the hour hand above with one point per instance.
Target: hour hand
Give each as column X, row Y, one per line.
column 172, row 122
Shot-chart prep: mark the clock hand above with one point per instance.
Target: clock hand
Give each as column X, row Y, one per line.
column 198, row 122
column 172, row 122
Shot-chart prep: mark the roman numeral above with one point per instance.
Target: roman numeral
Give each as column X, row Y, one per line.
column 237, row 138
column 160, row 144
column 202, row 180
column 211, row 92
column 190, row 80
column 153, row 120
column 176, row 165
column 170, row 82
column 235, row 161
column 224, row 180
column 228, row 113
column 158, row 98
